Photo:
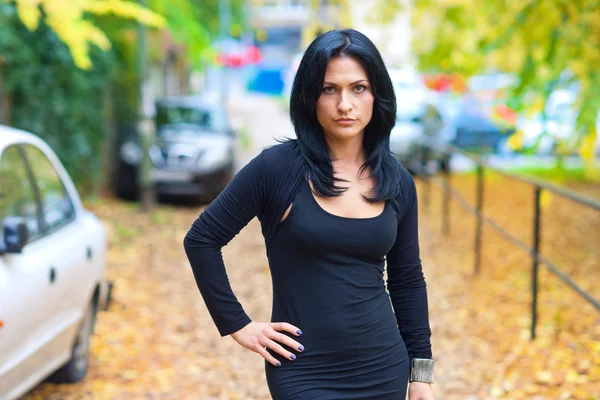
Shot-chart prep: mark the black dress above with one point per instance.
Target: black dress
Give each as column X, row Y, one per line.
column 327, row 279
column 327, row 275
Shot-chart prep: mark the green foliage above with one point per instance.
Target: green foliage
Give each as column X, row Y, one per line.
column 542, row 42
column 51, row 97
column 554, row 173
column 67, row 106
column 124, row 80
column 195, row 24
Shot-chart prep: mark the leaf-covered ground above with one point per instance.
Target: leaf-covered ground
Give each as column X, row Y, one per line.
column 481, row 323
column 157, row 341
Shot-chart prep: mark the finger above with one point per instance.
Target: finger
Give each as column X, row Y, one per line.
column 286, row 340
column 267, row 356
column 276, row 347
column 284, row 326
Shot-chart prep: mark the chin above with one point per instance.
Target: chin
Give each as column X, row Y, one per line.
column 345, row 133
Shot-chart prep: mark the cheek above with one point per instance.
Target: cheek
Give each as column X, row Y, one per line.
column 366, row 107
column 323, row 110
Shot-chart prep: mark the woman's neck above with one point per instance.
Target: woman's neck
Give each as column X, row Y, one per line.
column 347, row 154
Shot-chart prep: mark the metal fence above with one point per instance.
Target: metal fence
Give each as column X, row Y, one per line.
column 534, row 249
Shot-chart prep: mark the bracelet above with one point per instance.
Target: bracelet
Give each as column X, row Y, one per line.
column 421, row 370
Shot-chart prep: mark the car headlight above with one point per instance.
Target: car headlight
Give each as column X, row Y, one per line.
column 131, row 153
column 214, row 158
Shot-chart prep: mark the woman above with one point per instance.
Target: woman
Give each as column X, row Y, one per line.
column 333, row 205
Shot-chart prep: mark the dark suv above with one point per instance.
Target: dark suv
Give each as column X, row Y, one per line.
column 194, row 153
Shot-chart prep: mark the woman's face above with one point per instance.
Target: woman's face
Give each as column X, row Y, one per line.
column 345, row 106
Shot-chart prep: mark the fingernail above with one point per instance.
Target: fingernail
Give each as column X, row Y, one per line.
column 293, row 357
column 301, row 348
column 299, row 332
column 278, row 364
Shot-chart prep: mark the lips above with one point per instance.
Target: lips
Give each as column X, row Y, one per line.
column 345, row 121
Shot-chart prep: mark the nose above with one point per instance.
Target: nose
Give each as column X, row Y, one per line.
column 344, row 105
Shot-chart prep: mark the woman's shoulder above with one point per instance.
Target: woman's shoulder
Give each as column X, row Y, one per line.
column 280, row 159
column 275, row 166
column 272, row 158
column 281, row 153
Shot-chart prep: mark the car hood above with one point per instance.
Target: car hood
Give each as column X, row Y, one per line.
column 201, row 140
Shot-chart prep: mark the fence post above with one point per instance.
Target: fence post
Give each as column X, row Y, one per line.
column 536, row 249
column 446, row 201
column 479, row 218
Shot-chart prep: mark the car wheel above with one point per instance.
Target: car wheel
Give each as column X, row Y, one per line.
column 126, row 183
column 127, row 193
column 127, row 190
column 75, row 369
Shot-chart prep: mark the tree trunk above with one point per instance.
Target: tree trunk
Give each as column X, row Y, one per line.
column 110, row 152
column 5, row 102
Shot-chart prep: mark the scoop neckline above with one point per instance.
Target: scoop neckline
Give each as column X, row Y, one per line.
column 316, row 203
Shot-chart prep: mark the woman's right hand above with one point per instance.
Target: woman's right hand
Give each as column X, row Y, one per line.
column 258, row 336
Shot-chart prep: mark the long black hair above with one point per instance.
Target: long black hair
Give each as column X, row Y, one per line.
column 312, row 146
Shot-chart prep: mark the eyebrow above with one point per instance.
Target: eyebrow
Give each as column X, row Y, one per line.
column 353, row 83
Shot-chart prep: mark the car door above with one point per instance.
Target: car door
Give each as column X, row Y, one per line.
column 26, row 305
column 67, row 248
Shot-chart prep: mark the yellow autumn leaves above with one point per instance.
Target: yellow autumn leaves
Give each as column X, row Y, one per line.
column 539, row 42
column 66, row 18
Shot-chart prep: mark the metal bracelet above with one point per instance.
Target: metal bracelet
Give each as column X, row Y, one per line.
column 421, row 370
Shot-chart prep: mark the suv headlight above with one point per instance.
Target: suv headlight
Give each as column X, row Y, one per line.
column 215, row 158
column 131, row 153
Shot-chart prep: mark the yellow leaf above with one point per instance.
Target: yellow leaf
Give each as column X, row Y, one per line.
column 29, row 13
column 572, row 376
column 65, row 17
column 95, row 36
column 515, row 141
column 545, row 377
column 586, row 148
column 496, row 392
column 545, row 198
column 130, row 374
column 125, row 9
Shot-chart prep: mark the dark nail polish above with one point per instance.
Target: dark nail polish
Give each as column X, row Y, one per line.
column 299, row 332
column 293, row 357
column 301, row 348
column 278, row 364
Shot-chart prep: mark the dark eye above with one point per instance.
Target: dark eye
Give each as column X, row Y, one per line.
column 360, row 88
column 329, row 89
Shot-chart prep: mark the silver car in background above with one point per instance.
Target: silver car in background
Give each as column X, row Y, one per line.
column 418, row 123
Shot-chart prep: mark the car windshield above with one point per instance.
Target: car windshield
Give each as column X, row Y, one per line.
column 203, row 118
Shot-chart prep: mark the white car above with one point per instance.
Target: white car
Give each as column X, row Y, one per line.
column 52, row 268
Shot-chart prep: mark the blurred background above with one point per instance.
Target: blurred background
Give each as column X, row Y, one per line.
column 152, row 106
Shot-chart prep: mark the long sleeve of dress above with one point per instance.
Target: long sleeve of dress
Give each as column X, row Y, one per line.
column 238, row 203
column 406, row 282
